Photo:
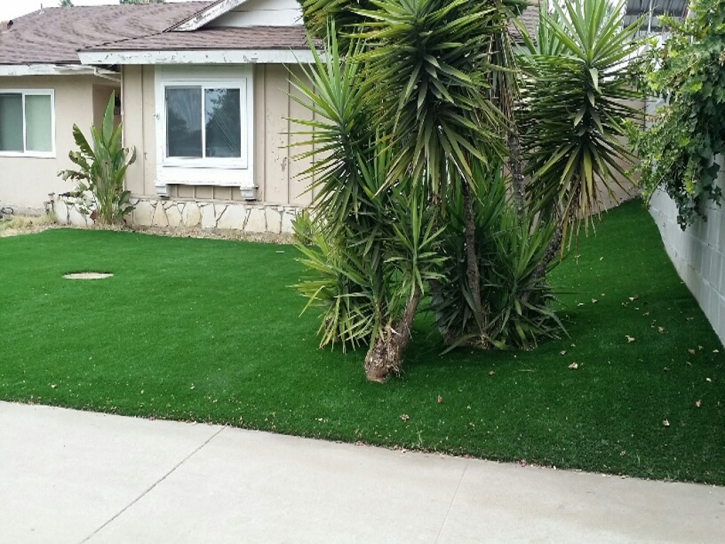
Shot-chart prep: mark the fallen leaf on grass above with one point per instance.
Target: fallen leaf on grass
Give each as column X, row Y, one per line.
column 53, row 386
column 661, row 329
column 623, row 453
column 716, row 351
column 573, row 366
column 698, row 403
column 440, row 399
column 708, row 380
column 666, row 423
column 491, row 373
column 594, row 301
column 405, row 417
column 633, row 298
column 562, row 352
column 691, row 351
column 629, row 338
column 689, row 318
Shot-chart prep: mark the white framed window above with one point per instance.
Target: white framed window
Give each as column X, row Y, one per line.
column 204, row 123
column 27, row 123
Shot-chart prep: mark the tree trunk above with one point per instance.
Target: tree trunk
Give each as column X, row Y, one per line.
column 551, row 251
column 473, row 273
column 386, row 354
column 517, row 176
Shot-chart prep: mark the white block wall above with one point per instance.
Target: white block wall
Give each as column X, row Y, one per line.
column 698, row 254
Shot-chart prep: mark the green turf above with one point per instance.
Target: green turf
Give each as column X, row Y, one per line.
column 210, row 331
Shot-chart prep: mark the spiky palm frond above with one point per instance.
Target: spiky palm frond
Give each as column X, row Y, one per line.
column 431, row 63
column 575, row 104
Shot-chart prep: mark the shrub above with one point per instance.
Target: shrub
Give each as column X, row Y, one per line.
column 101, row 171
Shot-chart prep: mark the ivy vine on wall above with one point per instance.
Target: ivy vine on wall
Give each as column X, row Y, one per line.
column 687, row 72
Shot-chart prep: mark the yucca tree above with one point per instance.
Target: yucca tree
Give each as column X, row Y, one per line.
column 574, row 108
column 372, row 248
column 432, row 65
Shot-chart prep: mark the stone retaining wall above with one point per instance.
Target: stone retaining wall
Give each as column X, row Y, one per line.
column 243, row 217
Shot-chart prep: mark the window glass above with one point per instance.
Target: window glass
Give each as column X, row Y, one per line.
column 38, row 123
column 11, row 122
column 223, row 123
column 183, row 122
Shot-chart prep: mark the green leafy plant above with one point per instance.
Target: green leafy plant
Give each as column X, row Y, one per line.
column 510, row 249
column 411, row 126
column 575, row 95
column 371, row 249
column 678, row 147
column 101, row 169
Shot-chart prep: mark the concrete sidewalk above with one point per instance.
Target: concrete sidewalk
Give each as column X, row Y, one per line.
column 77, row 477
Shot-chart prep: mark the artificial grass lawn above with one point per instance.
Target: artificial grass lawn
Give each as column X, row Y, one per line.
column 210, row 331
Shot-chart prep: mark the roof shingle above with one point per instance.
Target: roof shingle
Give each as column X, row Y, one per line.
column 54, row 35
column 209, row 39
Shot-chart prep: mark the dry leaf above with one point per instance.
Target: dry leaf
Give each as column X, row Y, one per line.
column 661, row 329
column 522, row 462
column 53, row 386
column 689, row 318
column 633, row 298
column 716, row 351
column 580, row 304
column 405, row 417
column 698, row 403
column 562, row 352
column 629, row 338
column 491, row 373
column 440, row 399
column 594, row 301
column 573, row 366
column 666, row 423
column 700, row 348
column 691, row 351
column 708, row 380
column 623, row 453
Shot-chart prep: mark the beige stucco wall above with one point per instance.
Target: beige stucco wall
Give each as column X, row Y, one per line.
column 25, row 182
column 101, row 95
column 275, row 170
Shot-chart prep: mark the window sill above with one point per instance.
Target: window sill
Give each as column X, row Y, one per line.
column 28, row 155
column 223, row 164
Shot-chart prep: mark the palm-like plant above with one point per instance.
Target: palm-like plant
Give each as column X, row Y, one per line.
column 102, row 168
column 575, row 96
column 431, row 63
column 371, row 251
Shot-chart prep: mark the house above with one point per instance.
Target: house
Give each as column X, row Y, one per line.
column 204, row 94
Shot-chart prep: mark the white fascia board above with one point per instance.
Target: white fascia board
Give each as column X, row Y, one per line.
column 19, row 70
column 247, row 56
column 214, row 11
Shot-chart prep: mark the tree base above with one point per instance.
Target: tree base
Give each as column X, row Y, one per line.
column 386, row 354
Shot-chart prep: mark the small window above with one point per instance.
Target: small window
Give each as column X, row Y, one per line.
column 203, row 122
column 26, row 122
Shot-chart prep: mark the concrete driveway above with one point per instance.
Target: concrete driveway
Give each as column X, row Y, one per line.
column 72, row 477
